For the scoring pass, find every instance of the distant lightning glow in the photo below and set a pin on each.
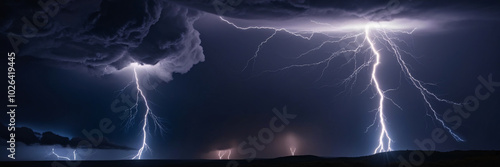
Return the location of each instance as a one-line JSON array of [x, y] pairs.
[[292, 150], [63, 157], [221, 153], [364, 43]]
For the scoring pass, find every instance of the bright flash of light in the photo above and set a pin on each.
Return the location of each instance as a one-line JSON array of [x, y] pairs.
[[364, 42], [292, 150], [383, 131], [221, 154], [63, 157], [148, 113]]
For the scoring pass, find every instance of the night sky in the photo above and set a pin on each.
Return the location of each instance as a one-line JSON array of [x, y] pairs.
[[75, 70]]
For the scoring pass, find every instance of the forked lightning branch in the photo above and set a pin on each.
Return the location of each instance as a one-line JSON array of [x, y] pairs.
[[367, 41]]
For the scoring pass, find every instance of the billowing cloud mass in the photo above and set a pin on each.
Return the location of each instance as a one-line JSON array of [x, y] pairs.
[[103, 36]]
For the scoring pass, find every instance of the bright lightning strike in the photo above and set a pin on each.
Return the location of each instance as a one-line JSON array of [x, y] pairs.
[[383, 131], [148, 114], [355, 45], [426, 94], [292, 150], [221, 153], [63, 157]]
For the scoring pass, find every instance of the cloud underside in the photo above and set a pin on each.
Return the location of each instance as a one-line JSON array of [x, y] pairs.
[[340, 11]]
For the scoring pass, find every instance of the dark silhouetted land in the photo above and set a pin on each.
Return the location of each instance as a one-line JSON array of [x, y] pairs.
[[390, 159]]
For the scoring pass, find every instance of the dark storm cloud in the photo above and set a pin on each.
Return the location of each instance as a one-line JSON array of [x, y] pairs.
[[269, 9], [374, 10], [107, 35], [30, 137]]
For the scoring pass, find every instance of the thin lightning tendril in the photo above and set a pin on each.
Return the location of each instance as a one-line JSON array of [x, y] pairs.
[[258, 50], [363, 43], [63, 157], [269, 28], [221, 153], [426, 94]]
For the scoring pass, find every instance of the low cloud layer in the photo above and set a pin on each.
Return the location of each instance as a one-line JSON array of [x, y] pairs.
[[29, 137]]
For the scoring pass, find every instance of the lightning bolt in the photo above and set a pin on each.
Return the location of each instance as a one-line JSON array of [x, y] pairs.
[[358, 44], [63, 157], [297, 34], [276, 30], [424, 92], [145, 121], [256, 54], [383, 131], [221, 153], [292, 150], [147, 114]]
